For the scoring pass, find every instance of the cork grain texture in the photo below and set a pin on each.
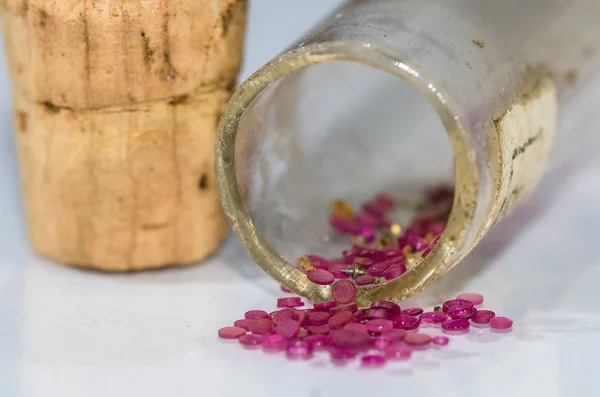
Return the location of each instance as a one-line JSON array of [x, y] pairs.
[[116, 105]]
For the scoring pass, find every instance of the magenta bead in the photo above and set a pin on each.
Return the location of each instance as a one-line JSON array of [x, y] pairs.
[[319, 342], [368, 232], [390, 306], [365, 279], [360, 315], [256, 314], [482, 317], [380, 325], [417, 339], [366, 220], [373, 314], [455, 302], [340, 319], [251, 340], [284, 315], [373, 361], [245, 323], [394, 271], [336, 270], [414, 311], [262, 326], [319, 262], [350, 338], [373, 254], [325, 305], [461, 312], [433, 318], [343, 291], [501, 322], [381, 342], [299, 350], [398, 352], [274, 343], [440, 340], [377, 269], [231, 332], [357, 327], [476, 299], [406, 322], [318, 329], [396, 335], [320, 277], [289, 302], [288, 329], [344, 225], [317, 318], [349, 307], [343, 354], [455, 325]]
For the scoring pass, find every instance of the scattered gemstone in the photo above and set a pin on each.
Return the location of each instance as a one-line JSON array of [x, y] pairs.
[[299, 349], [256, 314], [262, 326], [455, 302], [289, 302], [455, 325], [320, 277], [413, 311], [318, 329], [391, 307], [317, 318], [461, 312], [250, 339], [417, 339], [288, 329], [343, 291], [274, 343], [406, 322], [440, 340], [231, 332], [433, 317], [476, 299], [373, 361], [483, 316], [319, 342], [340, 319], [245, 323], [325, 305], [373, 314], [350, 338], [380, 325], [398, 352], [349, 307], [501, 322]]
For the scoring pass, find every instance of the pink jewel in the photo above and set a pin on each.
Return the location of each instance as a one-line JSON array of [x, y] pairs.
[[368, 233], [396, 335], [319, 262], [231, 332], [455, 325], [284, 315], [349, 307], [417, 339], [501, 322], [300, 316], [251, 340], [299, 350], [373, 314], [377, 269], [242, 324], [440, 340], [461, 311], [344, 225], [380, 325], [343, 291], [381, 342], [455, 302], [325, 305], [289, 302], [287, 291], [391, 307], [317, 318], [360, 315], [288, 329], [274, 343], [373, 254], [414, 311], [481, 317], [476, 299], [372, 361], [336, 270], [398, 352], [342, 354], [321, 277], [363, 262], [262, 326], [317, 329], [350, 338], [339, 320], [364, 280], [433, 318], [406, 322], [394, 271], [319, 342], [357, 327], [256, 314]]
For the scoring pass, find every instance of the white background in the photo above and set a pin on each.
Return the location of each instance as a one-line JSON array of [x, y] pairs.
[[71, 333]]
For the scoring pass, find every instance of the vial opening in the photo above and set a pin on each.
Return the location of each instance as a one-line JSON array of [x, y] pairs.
[[332, 131]]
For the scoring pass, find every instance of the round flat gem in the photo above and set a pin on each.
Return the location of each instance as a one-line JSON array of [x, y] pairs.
[[319, 342], [325, 305], [262, 326], [373, 361], [256, 314], [461, 312], [319, 262], [413, 311], [365, 279], [340, 319], [394, 271], [343, 354], [274, 343], [390, 306], [336, 270], [381, 342], [320, 277], [350, 307], [284, 315], [289, 302], [501, 322], [455, 302], [350, 338], [373, 314], [299, 350], [380, 325], [288, 329], [476, 299], [344, 225], [482, 317], [250, 340], [440, 340], [406, 322], [245, 323], [398, 352], [417, 339], [357, 327], [433, 317], [317, 318], [318, 329], [231, 332], [396, 335], [377, 269], [456, 325], [343, 291]]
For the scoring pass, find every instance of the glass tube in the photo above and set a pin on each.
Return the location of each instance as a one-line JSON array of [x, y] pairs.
[[399, 95]]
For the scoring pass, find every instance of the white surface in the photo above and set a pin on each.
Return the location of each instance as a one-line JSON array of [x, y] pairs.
[[70, 333]]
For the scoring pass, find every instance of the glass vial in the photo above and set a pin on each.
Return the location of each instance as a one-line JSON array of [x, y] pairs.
[[401, 95]]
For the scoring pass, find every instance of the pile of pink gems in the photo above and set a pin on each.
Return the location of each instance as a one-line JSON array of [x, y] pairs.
[[381, 333]]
